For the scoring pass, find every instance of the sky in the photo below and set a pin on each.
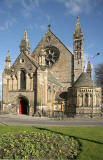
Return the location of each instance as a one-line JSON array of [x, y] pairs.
[[35, 15]]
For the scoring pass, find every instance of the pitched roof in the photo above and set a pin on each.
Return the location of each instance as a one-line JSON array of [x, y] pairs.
[[49, 32], [84, 80], [52, 79], [32, 58]]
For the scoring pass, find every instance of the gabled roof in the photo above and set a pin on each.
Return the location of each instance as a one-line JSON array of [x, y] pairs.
[[32, 59], [49, 32], [84, 80]]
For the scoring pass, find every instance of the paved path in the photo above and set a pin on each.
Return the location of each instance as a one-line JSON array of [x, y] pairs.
[[24, 120]]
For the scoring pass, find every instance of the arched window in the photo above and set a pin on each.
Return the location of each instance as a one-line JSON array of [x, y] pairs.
[[86, 99], [23, 80]]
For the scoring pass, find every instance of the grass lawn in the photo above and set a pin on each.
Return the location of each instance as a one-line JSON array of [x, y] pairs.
[[91, 138]]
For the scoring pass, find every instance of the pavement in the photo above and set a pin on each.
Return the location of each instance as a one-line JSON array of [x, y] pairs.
[[25, 120]]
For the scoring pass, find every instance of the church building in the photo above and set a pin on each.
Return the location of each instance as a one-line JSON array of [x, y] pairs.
[[51, 80]]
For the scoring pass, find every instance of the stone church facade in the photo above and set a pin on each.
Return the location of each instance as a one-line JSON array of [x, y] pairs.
[[51, 81]]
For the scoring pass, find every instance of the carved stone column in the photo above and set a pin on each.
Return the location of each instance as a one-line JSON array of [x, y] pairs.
[[13, 82], [31, 81], [18, 77], [89, 99], [10, 84]]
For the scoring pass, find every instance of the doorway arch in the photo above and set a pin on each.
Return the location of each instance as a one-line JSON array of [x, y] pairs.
[[23, 105]]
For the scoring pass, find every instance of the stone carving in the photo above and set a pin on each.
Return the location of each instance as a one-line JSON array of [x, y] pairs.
[[52, 55]]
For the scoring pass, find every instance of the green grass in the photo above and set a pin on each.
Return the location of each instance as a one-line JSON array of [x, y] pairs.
[[91, 138]]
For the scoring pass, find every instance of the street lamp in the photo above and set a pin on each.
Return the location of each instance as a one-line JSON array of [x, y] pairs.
[[93, 83]]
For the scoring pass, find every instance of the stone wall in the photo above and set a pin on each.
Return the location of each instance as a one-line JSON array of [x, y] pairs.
[[83, 105], [12, 105], [63, 67]]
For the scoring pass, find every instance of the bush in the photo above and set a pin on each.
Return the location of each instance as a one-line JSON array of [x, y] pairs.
[[38, 145]]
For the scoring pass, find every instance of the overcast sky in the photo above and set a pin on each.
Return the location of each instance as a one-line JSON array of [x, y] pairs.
[[35, 15]]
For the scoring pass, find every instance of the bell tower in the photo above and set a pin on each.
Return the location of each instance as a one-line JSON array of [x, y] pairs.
[[78, 50]]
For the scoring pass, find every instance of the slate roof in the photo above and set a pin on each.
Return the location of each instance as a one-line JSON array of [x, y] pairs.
[[52, 79], [84, 80], [32, 59]]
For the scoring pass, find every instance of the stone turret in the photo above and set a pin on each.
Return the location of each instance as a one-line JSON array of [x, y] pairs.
[[24, 45], [42, 56], [7, 61], [78, 51], [89, 69]]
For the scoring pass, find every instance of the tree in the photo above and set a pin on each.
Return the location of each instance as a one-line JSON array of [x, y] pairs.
[[99, 74]]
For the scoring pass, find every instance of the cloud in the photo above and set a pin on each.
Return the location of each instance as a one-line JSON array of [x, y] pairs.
[[76, 7], [10, 3], [29, 7], [86, 58], [48, 17], [90, 46], [7, 24], [43, 27]]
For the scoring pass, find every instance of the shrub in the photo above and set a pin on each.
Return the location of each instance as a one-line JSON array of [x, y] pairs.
[[38, 145]]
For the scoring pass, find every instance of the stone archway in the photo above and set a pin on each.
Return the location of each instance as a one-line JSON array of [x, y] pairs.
[[23, 105]]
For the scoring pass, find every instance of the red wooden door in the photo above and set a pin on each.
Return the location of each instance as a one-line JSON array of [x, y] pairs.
[[20, 109]]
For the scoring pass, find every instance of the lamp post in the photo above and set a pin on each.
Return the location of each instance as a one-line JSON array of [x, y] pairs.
[[93, 84]]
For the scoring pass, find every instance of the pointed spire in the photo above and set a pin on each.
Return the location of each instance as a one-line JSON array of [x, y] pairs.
[[78, 31], [8, 57], [89, 69], [24, 45], [7, 61]]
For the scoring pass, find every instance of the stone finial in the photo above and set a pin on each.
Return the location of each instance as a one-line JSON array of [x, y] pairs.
[[42, 61], [8, 57], [49, 25], [24, 45], [7, 61], [89, 68]]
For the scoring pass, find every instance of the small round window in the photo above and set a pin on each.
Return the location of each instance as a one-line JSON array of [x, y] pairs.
[[21, 60]]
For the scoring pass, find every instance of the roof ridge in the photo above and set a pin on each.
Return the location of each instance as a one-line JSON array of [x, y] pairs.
[[83, 80], [55, 37]]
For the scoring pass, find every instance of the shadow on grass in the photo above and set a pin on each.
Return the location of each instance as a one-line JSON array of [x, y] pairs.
[[89, 140], [76, 138]]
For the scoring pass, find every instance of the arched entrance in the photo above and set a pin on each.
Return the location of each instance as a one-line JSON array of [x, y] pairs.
[[23, 106]]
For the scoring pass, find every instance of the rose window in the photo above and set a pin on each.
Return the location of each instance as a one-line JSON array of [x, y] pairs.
[[52, 55]]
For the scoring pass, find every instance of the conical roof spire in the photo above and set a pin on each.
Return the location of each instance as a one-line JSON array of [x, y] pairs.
[[8, 57], [24, 45], [88, 65], [78, 31]]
